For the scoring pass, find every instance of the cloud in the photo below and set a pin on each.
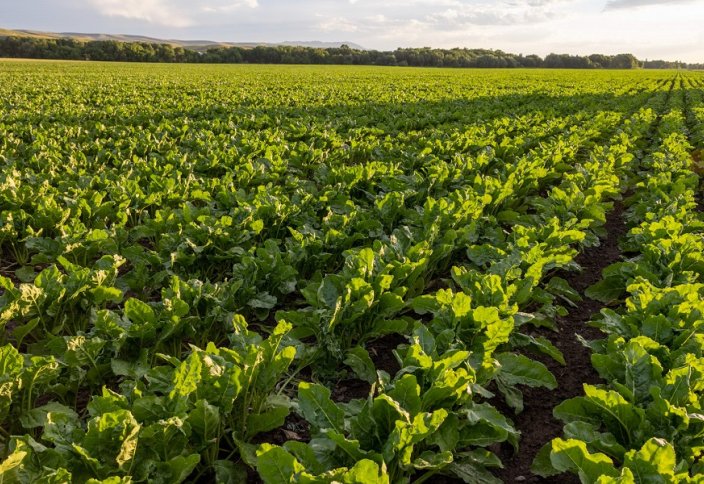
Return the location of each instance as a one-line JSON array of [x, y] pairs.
[[492, 14], [152, 11], [337, 24], [621, 4], [167, 13], [230, 6], [429, 18]]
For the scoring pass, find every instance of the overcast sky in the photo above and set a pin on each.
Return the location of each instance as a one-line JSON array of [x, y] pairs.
[[670, 29]]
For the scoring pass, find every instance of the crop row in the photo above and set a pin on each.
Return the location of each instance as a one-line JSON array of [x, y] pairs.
[[645, 423], [577, 206], [185, 284]]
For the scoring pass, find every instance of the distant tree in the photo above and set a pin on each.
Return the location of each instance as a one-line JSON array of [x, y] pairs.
[[111, 50], [624, 61], [600, 61], [554, 61]]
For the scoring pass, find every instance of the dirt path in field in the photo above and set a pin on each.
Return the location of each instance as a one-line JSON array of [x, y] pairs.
[[536, 422]]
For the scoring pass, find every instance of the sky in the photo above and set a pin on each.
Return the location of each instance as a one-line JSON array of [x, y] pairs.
[[650, 29]]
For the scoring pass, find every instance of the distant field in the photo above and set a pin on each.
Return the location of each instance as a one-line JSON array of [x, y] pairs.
[[350, 274]]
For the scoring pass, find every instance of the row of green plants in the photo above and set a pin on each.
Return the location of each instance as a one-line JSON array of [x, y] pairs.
[[186, 284], [438, 426], [362, 291], [644, 424]]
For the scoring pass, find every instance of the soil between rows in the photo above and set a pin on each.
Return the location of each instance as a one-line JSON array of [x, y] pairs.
[[536, 423]]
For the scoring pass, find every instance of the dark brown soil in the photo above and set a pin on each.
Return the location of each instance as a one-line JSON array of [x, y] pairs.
[[350, 389], [8, 265], [700, 200], [381, 353], [9, 272], [294, 428], [536, 422]]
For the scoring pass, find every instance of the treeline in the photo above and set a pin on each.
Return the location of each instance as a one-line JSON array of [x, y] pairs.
[[98, 50], [110, 50], [661, 64]]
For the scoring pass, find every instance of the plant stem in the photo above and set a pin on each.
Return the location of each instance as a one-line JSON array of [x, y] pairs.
[[425, 477]]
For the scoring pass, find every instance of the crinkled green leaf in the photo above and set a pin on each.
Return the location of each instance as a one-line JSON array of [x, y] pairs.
[[518, 369], [358, 359], [317, 407]]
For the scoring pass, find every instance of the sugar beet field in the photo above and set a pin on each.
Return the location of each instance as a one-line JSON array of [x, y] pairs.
[[350, 275]]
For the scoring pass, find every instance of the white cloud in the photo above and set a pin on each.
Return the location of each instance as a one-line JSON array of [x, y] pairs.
[[419, 19], [493, 14], [231, 6], [618, 4], [337, 24], [167, 13], [153, 11]]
